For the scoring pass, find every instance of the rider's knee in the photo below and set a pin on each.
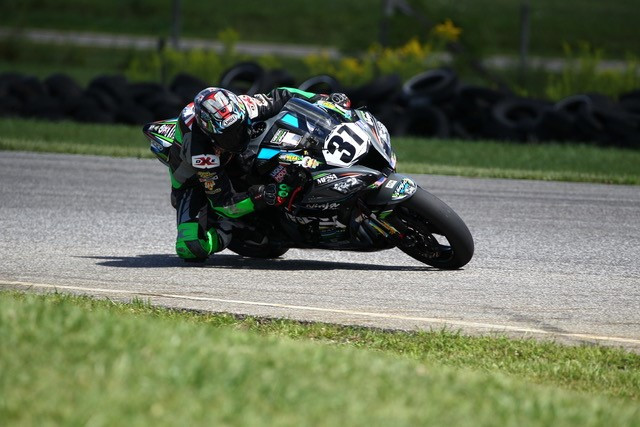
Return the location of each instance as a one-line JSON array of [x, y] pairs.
[[193, 243]]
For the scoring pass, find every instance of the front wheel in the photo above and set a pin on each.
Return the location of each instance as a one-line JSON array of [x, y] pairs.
[[433, 233]]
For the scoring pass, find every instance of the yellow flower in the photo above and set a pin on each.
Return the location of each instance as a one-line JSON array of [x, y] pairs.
[[352, 65], [413, 48], [447, 30]]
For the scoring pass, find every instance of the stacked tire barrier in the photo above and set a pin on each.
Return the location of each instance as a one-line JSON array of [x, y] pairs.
[[434, 103]]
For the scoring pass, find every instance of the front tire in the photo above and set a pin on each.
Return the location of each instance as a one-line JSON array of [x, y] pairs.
[[433, 233]]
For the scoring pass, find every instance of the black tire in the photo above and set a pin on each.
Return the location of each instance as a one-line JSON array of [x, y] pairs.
[[10, 106], [243, 242], [62, 87], [45, 107], [187, 86], [133, 114], [515, 118], [115, 86], [423, 216], [28, 88], [253, 251], [382, 90], [277, 78], [433, 86], [243, 78], [321, 84], [424, 121]]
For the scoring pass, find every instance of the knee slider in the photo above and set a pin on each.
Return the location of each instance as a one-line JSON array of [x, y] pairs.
[[193, 243]]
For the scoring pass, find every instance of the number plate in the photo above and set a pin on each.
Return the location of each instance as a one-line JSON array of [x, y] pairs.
[[345, 144]]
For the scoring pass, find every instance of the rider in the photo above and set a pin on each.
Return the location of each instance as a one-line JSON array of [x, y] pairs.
[[204, 158]]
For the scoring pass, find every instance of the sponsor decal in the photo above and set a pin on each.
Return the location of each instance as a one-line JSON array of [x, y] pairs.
[[260, 99], [284, 137], [156, 146], [382, 131], [326, 178], [322, 221], [250, 103], [290, 157], [308, 162], [391, 183], [278, 174], [323, 206], [208, 179], [378, 183], [334, 107], [279, 136], [165, 129], [205, 161], [291, 139], [347, 185], [229, 121], [366, 116], [405, 188], [205, 175]]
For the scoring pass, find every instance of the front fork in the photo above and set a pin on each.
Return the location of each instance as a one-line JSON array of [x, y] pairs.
[[374, 227]]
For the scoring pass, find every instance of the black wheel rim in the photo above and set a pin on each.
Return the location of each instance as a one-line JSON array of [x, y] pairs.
[[422, 239]]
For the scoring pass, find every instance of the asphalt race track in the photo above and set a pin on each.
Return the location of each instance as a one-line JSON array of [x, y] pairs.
[[553, 260]]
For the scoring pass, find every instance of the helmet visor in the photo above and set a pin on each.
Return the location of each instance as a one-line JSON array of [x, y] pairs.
[[235, 138]]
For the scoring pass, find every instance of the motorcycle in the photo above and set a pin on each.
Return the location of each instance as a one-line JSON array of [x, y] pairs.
[[348, 195]]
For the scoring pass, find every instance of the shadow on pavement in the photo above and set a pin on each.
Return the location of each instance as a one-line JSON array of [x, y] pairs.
[[228, 261]]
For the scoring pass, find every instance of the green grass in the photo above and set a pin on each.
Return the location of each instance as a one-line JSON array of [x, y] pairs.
[[561, 162], [352, 25], [564, 162], [69, 360], [73, 138]]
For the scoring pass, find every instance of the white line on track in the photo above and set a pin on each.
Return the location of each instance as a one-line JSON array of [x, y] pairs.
[[448, 322]]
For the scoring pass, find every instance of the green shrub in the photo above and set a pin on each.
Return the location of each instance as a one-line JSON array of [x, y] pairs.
[[206, 64], [407, 60], [583, 73]]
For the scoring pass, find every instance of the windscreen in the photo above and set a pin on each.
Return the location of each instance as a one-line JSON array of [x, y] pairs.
[[309, 118]]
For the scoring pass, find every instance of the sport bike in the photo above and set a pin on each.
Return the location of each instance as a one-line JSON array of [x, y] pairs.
[[346, 195]]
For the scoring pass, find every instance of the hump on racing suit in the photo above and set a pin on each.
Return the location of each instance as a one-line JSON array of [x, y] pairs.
[[163, 133]]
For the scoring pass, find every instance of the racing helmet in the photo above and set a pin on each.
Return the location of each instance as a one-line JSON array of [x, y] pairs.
[[223, 116]]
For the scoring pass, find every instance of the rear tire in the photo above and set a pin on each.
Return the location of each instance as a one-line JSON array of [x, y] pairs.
[[240, 244], [426, 221], [265, 252]]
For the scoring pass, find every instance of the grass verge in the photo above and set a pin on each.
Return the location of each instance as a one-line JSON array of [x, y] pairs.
[[562, 162], [74, 360]]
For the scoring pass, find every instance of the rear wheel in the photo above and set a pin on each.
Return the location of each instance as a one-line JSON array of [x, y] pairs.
[[252, 243], [265, 251], [433, 233]]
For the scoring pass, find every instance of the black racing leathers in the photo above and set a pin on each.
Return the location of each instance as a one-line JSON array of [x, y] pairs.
[[200, 174]]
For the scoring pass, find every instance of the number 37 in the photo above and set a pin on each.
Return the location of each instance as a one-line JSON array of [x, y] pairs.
[[345, 144]]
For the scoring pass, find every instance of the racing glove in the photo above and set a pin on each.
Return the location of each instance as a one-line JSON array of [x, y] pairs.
[[340, 99], [270, 195]]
